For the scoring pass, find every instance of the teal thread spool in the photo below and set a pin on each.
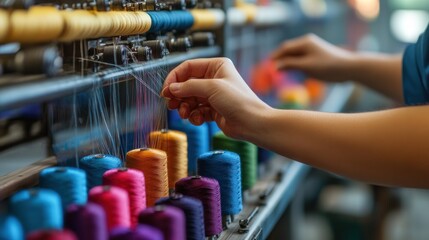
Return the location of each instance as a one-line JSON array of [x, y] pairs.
[[248, 155]]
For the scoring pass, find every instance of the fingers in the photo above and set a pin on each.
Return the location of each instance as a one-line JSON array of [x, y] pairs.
[[294, 63], [196, 68], [200, 89], [292, 47]]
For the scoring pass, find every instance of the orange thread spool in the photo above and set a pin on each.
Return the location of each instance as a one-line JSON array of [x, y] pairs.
[[175, 144], [153, 164]]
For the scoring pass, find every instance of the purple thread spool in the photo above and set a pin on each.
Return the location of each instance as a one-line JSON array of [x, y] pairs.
[[88, 221], [141, 232], [170, 220], [193, 209], [207, 190]]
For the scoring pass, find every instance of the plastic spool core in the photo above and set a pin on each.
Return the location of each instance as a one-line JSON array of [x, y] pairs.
[[61, 170], [123, 169], [106, 188], [176, 196], [33, 192], [164, 130], [99, 156], [217, 152], [196, 177], [144, 149], [159, 208]]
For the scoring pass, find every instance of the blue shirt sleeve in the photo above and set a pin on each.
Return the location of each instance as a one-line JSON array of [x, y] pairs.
[[415, 71]]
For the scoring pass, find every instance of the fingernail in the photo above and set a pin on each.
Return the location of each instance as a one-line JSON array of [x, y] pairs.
[[174, 87], [162, 91]]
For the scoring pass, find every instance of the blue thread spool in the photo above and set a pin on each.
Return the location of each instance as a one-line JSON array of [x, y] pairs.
[[37, 209], [95, 165], [68, 182], [194, 214], [10, 228], [165, 21], [224, 166], [198, 141]]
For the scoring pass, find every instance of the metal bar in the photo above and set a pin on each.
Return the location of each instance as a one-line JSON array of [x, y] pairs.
[[18, 95]]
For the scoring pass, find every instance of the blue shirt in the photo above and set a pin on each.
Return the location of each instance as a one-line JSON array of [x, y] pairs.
[[415, 71]]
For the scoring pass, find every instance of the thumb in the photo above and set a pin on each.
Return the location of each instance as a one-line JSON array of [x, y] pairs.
[[194, 88]]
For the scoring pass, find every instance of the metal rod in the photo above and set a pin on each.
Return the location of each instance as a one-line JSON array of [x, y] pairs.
[[38, 91]]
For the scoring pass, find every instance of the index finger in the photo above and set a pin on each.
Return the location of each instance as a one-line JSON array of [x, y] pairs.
[[291, 47], [196, 68]]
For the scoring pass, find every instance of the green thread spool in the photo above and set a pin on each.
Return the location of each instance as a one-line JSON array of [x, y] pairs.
[[248, 155]]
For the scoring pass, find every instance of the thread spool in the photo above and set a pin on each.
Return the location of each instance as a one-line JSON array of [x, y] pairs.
[[208, 192], [37, 60], [198, 141], [181, 44], [115, 54], [141, 232], [37, 209], [248, 156], [4, 25], [51, 235], [68, 182], [207, 19], [166, 21], [115, 202], [194, 214], [10, 228], [203, 39], [175, 144], [158, 47], [95, 165], [170, 220], [153, 163], [79, 24], [88, 222], [132, 181], [129, 23], [42, 23], [224, 166]]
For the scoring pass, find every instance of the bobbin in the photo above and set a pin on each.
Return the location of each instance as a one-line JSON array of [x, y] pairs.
[[158, 47], [115, 54], [35, 60], [203, 39], [181, 44], [17, 4]]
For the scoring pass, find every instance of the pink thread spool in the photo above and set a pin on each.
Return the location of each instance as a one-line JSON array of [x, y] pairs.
[[133, 182], [114, 201]]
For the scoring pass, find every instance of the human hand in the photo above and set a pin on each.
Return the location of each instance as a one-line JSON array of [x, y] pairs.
[[212, 90], [315, 57]]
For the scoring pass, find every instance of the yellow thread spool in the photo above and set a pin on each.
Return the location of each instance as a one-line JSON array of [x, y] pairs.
[[153, 164], [79, 24], [4, 25], [39, 24], [175, 144], [207, 19]]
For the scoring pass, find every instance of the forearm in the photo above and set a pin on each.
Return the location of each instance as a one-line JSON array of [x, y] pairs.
[[380, 72], [386, 147]]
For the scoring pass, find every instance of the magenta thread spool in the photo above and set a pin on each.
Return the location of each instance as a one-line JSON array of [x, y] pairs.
[[51, 235], [141, 232], [170, 220], [194, 214], [133, 182], [207, 190], [88, 222], [114, 201]]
